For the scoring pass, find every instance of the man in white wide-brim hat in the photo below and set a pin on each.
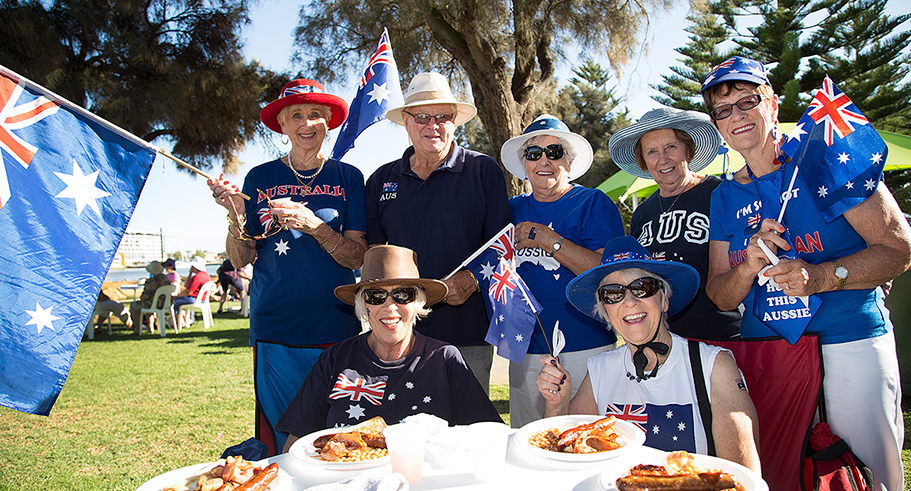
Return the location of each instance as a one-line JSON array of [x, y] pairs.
[[443, 202]]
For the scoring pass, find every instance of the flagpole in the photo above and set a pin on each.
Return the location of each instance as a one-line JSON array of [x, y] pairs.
[[479, 251], [6, 72]]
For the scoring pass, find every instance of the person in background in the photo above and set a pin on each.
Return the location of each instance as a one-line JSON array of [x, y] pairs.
[[231, 282], [851, 256], [195, 280], [671, 146], [170, 269], [635, 294], [157, 279], [407, 373], [303, 231], [104, 306], [560, 231], [443, 202]]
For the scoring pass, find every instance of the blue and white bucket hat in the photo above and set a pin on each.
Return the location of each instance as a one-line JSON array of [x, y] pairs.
[[626, 252], [547, 124]]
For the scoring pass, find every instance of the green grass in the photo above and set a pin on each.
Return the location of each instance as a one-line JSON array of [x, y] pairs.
[[134, 408]]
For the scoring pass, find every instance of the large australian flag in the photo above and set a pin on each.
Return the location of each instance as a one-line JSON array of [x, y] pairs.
[[378, 91], [69, 182], [841, 156]]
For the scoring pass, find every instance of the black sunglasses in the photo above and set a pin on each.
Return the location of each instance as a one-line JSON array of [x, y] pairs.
[[724, 111], [424, 118], [642, 288], [554, 151], [402, 296]]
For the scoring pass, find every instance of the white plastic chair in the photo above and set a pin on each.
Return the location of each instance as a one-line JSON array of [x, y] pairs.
[[166, 293], [201, 303], [90, 328]]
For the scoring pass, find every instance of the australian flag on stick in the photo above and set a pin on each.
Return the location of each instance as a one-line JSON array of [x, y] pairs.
[[510, 304], [841, 156], [378, 91], [69, 182]]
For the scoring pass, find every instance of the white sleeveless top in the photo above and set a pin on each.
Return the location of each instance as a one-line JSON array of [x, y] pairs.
[[664, 407]]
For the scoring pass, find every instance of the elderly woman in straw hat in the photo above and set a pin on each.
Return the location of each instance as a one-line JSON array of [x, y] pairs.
[[407, 373], [671, 146], [560, 231], [443, 202], [303, 228], [634, 294], [157, 279]]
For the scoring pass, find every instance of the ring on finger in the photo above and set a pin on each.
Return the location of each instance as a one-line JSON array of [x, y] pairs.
[[787, 286]]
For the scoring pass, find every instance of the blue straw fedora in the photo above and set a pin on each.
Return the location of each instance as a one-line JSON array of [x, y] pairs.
[[625, 253]]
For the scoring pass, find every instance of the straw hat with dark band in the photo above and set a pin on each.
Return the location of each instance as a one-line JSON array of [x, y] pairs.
[[698, 125], [388, 265], [431, 88]]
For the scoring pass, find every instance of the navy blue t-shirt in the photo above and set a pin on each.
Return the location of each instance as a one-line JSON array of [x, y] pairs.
[[444, 219]]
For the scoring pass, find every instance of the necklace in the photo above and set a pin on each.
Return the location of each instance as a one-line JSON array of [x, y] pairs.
[[300, 177], [660, 198]]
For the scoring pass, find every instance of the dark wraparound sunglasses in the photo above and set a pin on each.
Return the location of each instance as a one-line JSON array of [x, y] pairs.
[[554, 151], [377, 296], [642, 288], [724, 111]]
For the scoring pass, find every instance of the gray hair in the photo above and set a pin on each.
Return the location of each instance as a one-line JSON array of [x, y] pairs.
[[629, 275], [568, 149], [360, 307]]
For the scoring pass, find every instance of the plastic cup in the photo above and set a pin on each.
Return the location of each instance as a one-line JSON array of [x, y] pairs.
[[487, 453], [407, 443]]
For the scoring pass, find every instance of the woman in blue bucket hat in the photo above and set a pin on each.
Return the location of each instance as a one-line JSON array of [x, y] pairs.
[[650, 382]]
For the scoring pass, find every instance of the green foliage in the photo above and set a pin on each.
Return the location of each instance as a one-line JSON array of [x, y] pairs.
[[162, 68]]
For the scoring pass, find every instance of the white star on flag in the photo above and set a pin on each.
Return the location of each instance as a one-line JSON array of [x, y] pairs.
[[519, 338], [823, 192], [843, 158], [870, 184], [409, 385], [759, 72], [281, 247], [849, 185], [426, 399], [81, 188], [797, 132], [356, 412], [487, 270], [876, 157], [391, 397], [669, 415], [379, 93], [656, 430], [681, 426], [41, 318]]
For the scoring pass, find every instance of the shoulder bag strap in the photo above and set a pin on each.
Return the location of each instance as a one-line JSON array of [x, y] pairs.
[[702, 395]]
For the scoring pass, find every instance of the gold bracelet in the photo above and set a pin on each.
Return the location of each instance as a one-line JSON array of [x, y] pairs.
[[477, 286], [327, 238], [242, 237], [336, 244]]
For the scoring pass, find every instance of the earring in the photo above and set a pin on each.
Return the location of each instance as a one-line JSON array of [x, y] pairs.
[[328, 137], [285, 139]]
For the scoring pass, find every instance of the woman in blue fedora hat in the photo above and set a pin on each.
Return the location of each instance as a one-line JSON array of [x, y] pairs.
[[560, 230], [656, 389]]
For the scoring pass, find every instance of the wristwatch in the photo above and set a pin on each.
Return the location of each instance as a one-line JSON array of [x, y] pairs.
[[557, 246], [841, 273]]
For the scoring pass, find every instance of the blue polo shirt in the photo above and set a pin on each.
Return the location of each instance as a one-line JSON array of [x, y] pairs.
[[444, 219]]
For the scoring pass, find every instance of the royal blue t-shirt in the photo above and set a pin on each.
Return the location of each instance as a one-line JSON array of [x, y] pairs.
[[444, 219], [737, 213], [293, 277], [588, 218]]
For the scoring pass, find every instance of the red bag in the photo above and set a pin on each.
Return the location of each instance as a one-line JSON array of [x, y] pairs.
[[831, 465]]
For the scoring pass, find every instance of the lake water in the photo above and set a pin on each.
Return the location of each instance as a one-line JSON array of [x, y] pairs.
[[135, 274]]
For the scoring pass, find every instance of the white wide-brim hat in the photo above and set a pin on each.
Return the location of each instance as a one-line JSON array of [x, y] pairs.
[[622, 144], [431, 88], [547, 124], [198, 263]]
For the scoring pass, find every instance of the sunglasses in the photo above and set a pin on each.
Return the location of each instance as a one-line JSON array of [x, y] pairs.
[[424, 118], [401, 296], [553, 151], [724, 111], [642, 288]]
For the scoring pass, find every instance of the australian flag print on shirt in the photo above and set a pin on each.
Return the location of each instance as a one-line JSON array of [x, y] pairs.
[[667, 427]]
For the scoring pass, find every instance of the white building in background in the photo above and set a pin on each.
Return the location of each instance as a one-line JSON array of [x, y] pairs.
[[138, 249]]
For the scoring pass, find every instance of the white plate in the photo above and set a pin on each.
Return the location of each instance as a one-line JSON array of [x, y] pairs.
[[178, 476], [304, 451], [631, 435], [749, 479]]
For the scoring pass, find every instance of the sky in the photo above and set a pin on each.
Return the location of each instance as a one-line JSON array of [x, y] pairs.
[[181, 207]]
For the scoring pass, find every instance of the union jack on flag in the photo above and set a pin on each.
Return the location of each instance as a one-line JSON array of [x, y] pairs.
[[634, 413], [840, 155], [69, 182], [358, 389], [754, 220], [621, 256], [504, 244], [377, 92], [265, 217], [502, 282]]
